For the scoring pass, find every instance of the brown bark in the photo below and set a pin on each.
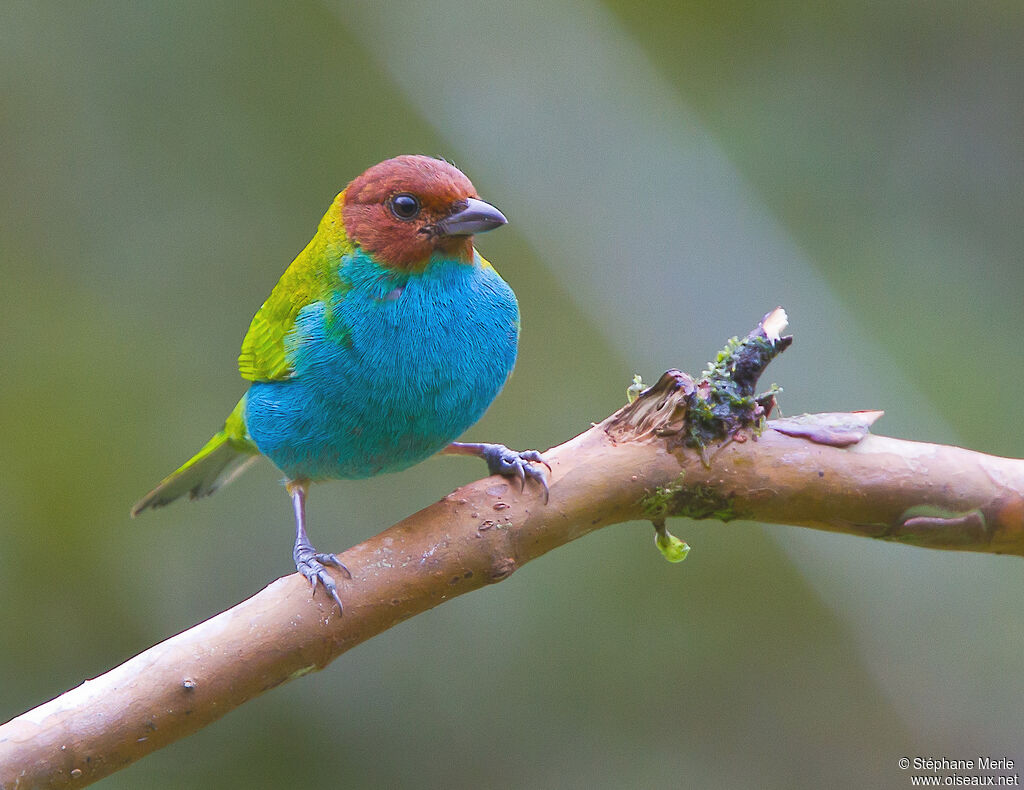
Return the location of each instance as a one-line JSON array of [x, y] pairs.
[[824, 472]]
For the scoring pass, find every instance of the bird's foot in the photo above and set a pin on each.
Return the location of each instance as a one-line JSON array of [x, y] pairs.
[[515, 463], [312, 564]]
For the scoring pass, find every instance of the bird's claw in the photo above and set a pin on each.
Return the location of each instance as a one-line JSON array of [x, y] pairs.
[[333, 561], [311, 564], [512, 463]]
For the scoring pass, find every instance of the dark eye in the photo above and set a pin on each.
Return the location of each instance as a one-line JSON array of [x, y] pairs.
[[405, 206]]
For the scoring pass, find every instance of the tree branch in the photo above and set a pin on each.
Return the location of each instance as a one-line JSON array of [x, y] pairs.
[[682, 448]]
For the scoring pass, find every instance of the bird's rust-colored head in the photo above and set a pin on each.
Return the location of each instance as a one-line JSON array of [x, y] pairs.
[[405, 209]]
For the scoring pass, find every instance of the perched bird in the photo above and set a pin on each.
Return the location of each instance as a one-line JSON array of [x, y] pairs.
[[386, 338]]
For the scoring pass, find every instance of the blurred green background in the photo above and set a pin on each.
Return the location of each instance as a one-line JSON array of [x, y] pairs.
[[671, 172]]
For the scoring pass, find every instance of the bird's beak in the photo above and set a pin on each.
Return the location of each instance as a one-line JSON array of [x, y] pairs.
[[475, 217]]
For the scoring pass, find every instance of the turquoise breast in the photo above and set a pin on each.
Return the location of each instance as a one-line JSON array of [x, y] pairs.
[[390, 368]]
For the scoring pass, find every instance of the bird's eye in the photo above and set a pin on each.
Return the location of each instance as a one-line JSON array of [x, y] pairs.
[[404, 206]]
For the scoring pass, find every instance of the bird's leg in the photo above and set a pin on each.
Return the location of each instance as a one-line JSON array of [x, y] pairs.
[[503, 461], [308, 561]]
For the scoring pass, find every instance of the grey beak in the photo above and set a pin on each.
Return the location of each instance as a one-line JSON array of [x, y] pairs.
[[475, 217]]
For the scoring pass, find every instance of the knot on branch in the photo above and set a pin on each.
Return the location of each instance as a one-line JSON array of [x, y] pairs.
[[722, 402]]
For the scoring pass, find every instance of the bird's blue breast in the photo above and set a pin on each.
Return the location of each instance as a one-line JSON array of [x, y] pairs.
[[388, 369]]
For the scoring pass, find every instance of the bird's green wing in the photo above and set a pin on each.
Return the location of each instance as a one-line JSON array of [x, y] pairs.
[[263, 356], [309, 279]]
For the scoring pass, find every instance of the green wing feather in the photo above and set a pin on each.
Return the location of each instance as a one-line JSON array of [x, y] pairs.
[[264, 355]]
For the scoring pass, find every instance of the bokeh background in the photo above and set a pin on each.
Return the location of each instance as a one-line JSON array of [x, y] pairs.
[[671, 171]]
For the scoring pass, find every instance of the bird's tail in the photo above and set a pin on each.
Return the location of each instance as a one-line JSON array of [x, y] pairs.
[[229, 453]]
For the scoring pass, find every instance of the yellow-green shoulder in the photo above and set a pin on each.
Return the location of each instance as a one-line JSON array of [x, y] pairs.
[[307, 280], [486, 264]]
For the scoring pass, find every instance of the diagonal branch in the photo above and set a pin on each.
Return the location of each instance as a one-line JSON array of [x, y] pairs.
[[682, 448]]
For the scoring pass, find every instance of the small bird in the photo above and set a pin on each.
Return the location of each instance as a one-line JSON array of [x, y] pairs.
[[385, 339]]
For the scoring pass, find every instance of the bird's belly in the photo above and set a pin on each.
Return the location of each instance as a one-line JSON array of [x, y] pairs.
[[356, 434], [381, 396]]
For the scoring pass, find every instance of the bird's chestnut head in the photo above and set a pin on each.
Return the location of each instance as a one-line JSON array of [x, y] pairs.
[[405, 209]]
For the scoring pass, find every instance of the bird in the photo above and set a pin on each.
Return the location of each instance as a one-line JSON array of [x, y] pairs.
[[386, 338]]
